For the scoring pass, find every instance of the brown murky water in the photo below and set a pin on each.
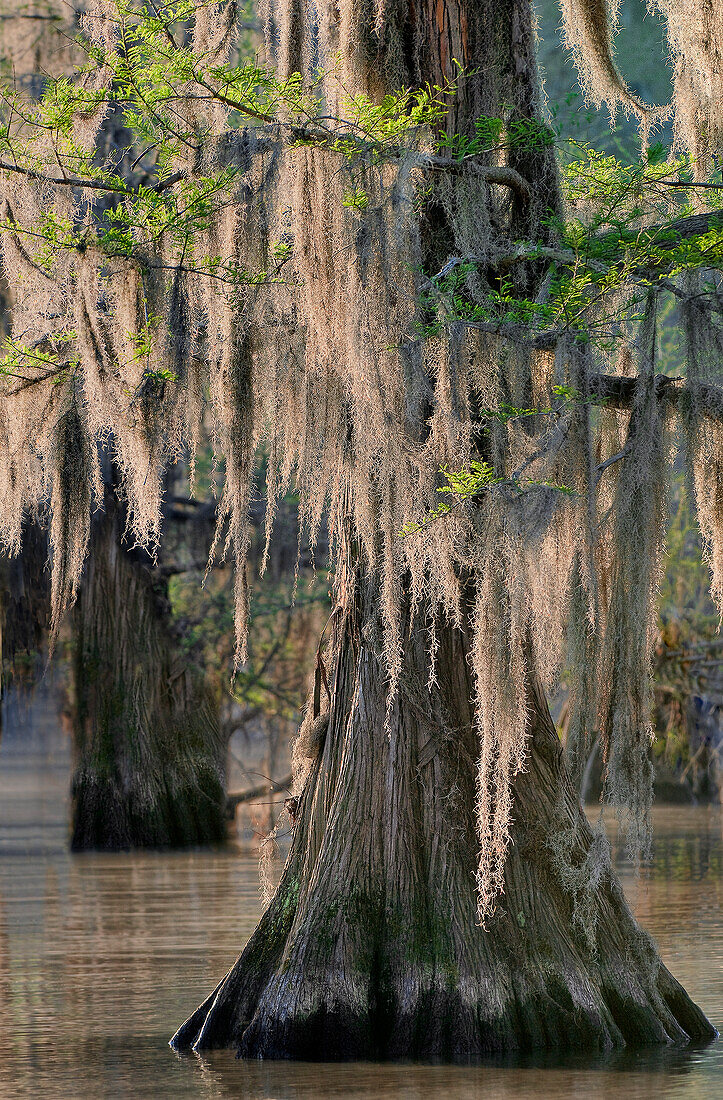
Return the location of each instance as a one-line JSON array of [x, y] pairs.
[[102, 956]]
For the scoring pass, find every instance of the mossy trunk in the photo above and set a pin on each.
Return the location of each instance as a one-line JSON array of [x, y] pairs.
[[371, 948], [150, 760]]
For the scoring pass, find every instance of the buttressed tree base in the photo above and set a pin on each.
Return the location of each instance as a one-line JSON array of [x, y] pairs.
[[363, 260]]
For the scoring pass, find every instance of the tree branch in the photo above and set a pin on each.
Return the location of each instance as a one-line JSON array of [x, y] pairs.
[[618, 392], [682, 229], [502, 174], [91, 184], [601, 467], [694, 226]]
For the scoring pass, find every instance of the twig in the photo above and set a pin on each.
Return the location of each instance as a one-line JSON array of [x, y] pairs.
[[237, 798], [613, 458]]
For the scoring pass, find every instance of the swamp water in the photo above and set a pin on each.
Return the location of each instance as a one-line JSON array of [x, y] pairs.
[[102, 956]]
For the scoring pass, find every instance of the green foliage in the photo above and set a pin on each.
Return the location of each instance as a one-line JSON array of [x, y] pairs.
[[495, 135], [623, 232], [566, 396], [398, 115], [162, 92], [281, 251], [500, 306], [628, 230], [163, 375], [356, 199]]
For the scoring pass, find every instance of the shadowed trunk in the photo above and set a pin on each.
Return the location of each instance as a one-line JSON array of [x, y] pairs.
[[24, 607], [370, 947], [149, 756]]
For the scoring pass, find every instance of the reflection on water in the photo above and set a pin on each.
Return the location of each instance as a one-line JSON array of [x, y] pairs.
[[102, 956]]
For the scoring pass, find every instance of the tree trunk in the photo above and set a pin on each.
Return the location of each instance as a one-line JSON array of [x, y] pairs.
[[370, 947], [149, 755]]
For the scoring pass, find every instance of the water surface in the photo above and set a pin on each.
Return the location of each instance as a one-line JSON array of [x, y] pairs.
[[102, 956]]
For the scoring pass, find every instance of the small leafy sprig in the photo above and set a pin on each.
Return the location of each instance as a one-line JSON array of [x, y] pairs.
[[466, 484]]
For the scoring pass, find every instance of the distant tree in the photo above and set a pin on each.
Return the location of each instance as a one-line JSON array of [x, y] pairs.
[[363, 257], [149, 757]]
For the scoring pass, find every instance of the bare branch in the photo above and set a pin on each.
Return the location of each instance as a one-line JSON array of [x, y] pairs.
[[91, 184], [618, 392], [235, 799], [613, 458]]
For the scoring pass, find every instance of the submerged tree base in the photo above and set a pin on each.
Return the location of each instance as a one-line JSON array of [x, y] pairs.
[[179, 814], [371, 948]]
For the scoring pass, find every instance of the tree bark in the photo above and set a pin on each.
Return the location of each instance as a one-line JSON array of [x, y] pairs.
[[370, 947], [150, 760]]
